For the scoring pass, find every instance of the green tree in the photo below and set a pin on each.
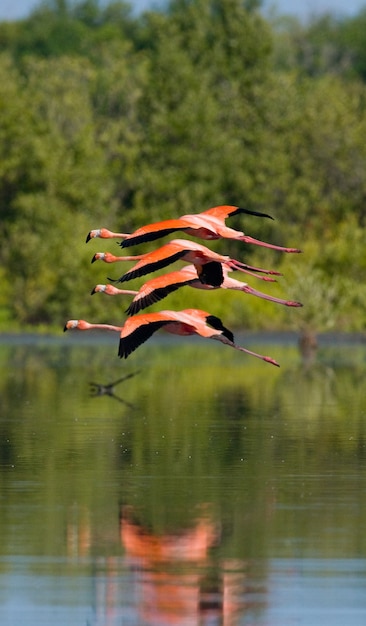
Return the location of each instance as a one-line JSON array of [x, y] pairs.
[[61, 27], [53, 178], [202, 108], [315, 127]]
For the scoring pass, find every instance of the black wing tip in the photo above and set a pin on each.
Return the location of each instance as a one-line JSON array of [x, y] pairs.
[[126, 243], [134, 241], [115, 280], [128, 276], [123, 350], [146, 237], [255, 213], [133, 309], [155, 296], [217, 324]]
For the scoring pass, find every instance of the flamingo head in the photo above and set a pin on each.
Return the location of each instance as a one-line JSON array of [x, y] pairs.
[[98, 289], [98, 256], [80, 324], [71, 324], [93, 234]]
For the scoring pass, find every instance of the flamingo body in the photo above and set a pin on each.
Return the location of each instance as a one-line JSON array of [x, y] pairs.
[[207, 225], [158, 288], [208, 263], [139, 328]]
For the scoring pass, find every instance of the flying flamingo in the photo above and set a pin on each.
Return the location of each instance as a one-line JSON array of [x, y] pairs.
[[139, 328], [150, 232], [184, 250], [209, 224], [160, 287]]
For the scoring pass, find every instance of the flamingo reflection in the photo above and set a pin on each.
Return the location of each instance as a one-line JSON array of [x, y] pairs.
[[175, 578], [100, 389]]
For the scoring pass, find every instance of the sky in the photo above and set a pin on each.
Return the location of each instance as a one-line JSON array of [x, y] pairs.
[[17, 9]]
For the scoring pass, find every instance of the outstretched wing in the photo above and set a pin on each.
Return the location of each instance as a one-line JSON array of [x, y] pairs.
[[151, 232], [157, 289], [155, 262], [222, 212], [136, 331]]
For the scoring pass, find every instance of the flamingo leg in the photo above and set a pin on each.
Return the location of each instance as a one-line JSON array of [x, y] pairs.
[[265, 296], [242, 268], [257, 242], [239, 265], [267, 359]]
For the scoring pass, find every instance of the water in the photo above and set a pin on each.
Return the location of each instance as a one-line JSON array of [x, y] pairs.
[[211, 488]]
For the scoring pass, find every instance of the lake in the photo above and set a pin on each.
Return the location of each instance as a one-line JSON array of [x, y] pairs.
[[208, 488]]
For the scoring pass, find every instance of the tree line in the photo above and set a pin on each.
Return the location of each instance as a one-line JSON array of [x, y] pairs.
[[114, 119]]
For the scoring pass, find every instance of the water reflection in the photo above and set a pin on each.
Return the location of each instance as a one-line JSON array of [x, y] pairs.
[[308, 346], [242, 491], [108, 389], [169, 569], [177, 578]]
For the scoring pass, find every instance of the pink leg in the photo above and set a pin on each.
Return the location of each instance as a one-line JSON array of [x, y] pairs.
[[257, 242], [265, 296], [241, 267], [268, 359]]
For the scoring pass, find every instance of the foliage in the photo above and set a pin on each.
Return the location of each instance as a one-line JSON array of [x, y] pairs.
[[327, 44], [109, 119]]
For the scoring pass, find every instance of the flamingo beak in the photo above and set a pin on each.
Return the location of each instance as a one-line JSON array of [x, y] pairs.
[[88, 238], [93, 291], [94, 258]]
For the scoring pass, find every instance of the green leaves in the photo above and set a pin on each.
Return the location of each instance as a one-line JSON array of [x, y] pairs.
[[134, 120]]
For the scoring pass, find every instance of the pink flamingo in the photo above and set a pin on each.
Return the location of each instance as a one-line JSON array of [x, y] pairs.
[[139, 328], [209, 224], [183, 250], [158, 288]]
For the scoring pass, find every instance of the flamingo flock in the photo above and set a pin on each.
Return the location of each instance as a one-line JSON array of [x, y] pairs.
[[206, 270]]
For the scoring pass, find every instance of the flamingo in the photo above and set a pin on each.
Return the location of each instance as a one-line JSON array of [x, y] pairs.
[[184, 250], [160, 287], [209, 224], [139, 328], [150, 232]]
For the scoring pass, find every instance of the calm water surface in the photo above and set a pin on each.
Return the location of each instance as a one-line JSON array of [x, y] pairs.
[[209, 488]]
